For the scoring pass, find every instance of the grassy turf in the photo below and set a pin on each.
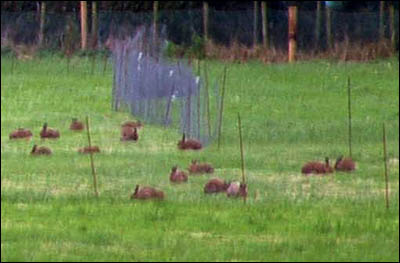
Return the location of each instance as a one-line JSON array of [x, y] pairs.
[[290, 114]]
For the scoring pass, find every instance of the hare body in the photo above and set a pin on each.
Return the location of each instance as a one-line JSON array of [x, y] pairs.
[[196, 168], [177, 176], [40, 150], [49, 133], [189, 144], [215, 185], [317, 167], [20, 134], [345, 165], [76, 125], [146, 192]]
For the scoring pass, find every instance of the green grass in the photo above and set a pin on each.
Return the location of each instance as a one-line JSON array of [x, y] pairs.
[[290, 114]]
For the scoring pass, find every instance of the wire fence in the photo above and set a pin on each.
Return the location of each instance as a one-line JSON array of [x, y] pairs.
[[162, 91]]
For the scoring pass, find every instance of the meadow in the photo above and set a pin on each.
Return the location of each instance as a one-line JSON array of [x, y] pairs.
[[290, 114]]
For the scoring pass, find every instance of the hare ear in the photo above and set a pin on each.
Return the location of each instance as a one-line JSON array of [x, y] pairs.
[[136, 189], [327, 160]]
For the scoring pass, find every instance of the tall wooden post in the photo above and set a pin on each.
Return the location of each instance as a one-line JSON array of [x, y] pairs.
[[255, 17], [155, 18], [381, 20], [328, 27], [83, 25], [205, 21], [264, 23], [292, 32], [94, 24], [317, 24], [42, 20]]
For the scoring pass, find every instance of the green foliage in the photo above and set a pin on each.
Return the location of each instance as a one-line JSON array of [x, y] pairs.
[[197, 48], [173, 50], [290, 114]]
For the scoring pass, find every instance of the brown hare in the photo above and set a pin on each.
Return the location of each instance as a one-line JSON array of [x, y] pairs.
[[215, 185], [196, 168], [20, 134], [40, 150], [317, 167], [189, 144], [146, 192], [177, 176], [49, 133], [76, 125], [345, 165]]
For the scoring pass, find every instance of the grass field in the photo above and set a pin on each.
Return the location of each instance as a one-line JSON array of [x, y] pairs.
[[290, 114]]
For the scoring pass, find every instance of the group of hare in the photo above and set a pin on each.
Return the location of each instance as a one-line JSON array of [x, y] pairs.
[[213, 186], [129, 132], [341, 165], [50, 133]]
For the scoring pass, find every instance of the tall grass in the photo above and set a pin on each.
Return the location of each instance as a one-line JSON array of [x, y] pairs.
[[294, 113]]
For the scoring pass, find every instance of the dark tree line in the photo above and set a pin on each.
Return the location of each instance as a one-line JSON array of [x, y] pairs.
[[143, 6]]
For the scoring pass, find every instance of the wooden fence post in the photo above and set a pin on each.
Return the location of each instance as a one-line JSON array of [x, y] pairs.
[[292, 32], [83, 25]]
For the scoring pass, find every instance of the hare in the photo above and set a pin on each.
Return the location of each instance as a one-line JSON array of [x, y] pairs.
[[49, 133], [177, 176], [76, 125], [40, 150], [20, 133], [196, 168], [146, 192], [189, 144], [236, 189], [344, 165], [215, 185], [317, 167]]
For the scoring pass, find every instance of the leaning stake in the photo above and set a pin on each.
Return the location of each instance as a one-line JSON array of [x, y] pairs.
[[385, 164], [349, 111], [241, 153], [96, 193], [222, 108]]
